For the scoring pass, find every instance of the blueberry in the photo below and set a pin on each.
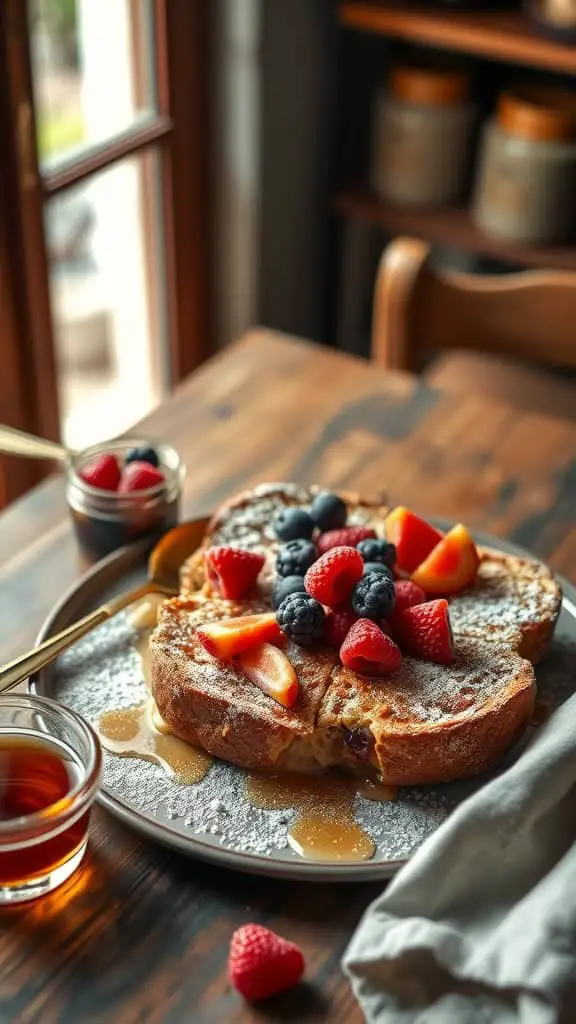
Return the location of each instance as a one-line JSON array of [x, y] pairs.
[[295, 557], [378, 567], [373, 549], [360, 741], [287, 585], [373, 596], [329, 511], [293, 524], [302, 619], [144, 454]]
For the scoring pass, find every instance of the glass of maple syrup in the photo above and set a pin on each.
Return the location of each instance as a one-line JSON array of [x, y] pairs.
[[50, 765]]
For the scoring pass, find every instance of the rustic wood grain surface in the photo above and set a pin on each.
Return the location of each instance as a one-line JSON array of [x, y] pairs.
[[141, 934]]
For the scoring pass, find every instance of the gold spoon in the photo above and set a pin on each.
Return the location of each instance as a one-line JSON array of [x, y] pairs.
[[16, 442], [163, 578]]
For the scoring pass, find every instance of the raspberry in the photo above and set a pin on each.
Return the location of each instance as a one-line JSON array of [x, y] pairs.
[[377, 550], [301, 618], [338, 625], [295, 557], [293, 524], [368, 651], [232, 570], [102, 472], [287, 585], [349, 537], [261, 963], [329, 511], [332, 577], [139, 476], [144, 454], [424, 632], [373, 596], [407, 594]]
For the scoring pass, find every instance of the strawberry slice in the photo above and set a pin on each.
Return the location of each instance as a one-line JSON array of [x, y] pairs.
[[413, 538], [228, 637], [406, 595], [451, 566], [424, 632], [231, 570], [268, 668]]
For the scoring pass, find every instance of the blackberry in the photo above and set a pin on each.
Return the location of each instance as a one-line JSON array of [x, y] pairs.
[[373, 596], [302, 619], [295, 557], [378, 550], [285, 586], [144, 454], [329, 511], [293, 524], [378, 567]]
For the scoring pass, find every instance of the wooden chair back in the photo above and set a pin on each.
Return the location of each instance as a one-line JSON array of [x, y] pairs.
[[530, 315]]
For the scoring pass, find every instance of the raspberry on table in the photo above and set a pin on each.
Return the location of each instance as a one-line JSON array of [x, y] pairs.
[[374, 549], [293, 524], [262, 963], [333, 576], [287, 585], [373, 596], [302, 619], [338, 625], [349, 536], [329, 511], [102, 472], [295, 557], [369, 651], [232, 570]]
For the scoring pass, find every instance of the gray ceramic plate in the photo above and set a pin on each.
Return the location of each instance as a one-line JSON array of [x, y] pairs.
[[212, 819]]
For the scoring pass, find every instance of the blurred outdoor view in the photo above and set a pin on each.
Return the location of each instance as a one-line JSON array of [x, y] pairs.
[[92, 80]]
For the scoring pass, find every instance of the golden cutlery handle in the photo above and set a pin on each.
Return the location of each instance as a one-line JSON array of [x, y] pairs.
[[16, 442], [20, 668]]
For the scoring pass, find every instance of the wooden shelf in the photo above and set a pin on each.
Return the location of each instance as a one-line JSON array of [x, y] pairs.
[[449, 227], [502, 36]]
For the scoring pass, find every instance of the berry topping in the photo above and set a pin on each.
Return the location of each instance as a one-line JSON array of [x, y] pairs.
[[360, 741], [144, 454], [451, 566], [293, 524], [228, 637], [368, 651], [269, 669], [338, 625], [424, 632], [377, 567], [102, 472], [139, 476], [287, 585], [412, 537], [406, 595], [349, 537], [231, 570], [373, 596], [329, 511], [333, 576], [302, 619], [374, 549], [295, 557], [261, 963]]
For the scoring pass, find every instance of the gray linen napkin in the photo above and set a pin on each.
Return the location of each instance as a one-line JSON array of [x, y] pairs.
[[480, 926]]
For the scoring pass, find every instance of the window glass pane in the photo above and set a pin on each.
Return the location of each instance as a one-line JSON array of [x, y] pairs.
[[92, 69], [108, 299]]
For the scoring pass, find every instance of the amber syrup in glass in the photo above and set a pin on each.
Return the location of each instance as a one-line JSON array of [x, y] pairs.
[[35, 774]]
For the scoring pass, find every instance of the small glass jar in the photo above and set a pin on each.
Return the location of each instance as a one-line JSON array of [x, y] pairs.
[[525, 190], [50, 765], [422, 137], [106, 520]]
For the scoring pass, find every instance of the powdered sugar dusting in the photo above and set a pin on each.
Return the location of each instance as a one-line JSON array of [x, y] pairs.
[[102, 672]]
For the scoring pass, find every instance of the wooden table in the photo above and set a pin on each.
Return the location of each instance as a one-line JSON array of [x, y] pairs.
[[141, 935]]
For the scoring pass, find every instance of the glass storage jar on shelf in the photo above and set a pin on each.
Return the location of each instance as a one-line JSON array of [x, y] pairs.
[[423, 125], [525, 189]]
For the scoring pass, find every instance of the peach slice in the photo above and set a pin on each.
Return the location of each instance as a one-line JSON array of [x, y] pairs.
[[227, 637], [412, 537], [451, 566], [268, 668]]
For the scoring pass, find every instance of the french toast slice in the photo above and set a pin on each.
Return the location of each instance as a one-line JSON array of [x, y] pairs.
[[425, 723]]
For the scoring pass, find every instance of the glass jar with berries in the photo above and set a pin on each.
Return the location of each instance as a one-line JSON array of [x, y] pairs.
[[123, 491]]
